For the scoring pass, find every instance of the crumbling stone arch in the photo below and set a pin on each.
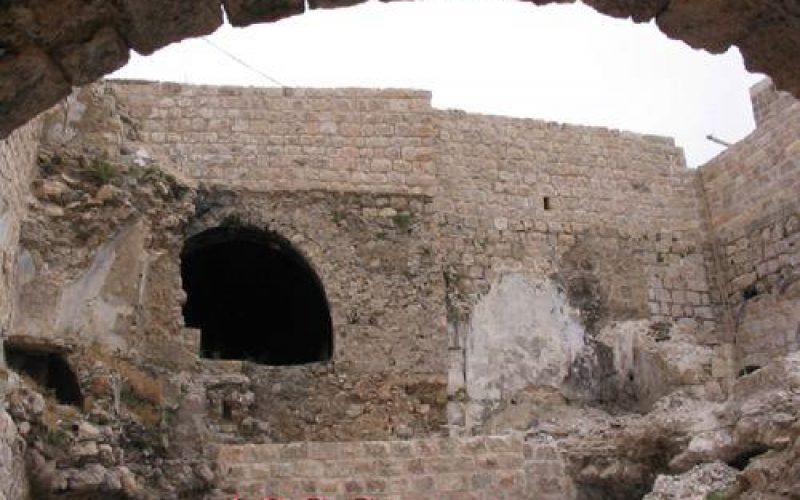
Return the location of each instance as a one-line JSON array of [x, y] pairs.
[[254, 297], [48, 46]]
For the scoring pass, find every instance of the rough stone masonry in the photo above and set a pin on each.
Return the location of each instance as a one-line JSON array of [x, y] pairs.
[[212, 291]]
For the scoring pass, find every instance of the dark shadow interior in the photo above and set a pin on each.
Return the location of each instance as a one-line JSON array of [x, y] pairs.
[[254, 298], [742, 460], [48, 369]]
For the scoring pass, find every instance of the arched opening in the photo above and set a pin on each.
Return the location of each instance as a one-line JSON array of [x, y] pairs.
[[48, 369], [255, 298]]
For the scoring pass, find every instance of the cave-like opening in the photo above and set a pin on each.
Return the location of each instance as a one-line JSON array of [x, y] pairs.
[[48, 369], [254, 297]]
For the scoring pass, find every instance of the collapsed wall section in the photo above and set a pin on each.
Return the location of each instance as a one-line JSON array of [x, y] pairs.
[[754, 208]]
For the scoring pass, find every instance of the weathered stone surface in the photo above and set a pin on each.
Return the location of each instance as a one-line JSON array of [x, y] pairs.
[[13, 479], [246, 12], [697, 484], [29, 80], [148, 26], [84, 63], [638, 10], [333, 4], [752, 191]]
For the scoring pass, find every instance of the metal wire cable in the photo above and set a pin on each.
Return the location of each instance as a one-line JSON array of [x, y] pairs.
[[236, 59]]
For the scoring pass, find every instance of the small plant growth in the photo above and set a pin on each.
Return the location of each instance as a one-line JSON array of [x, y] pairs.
[[101, 171], [403, 221]]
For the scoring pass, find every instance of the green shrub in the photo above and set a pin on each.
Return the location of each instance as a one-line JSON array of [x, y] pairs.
[[101, 171], [403, 221]]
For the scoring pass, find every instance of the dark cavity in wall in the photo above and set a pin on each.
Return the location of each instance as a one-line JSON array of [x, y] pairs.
[[750, 292], [48, 369], [742, 460], [254, 297], [747, 370]]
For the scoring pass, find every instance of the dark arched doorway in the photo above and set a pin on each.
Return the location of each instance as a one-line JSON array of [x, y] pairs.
[[48, 369], [255, 298]]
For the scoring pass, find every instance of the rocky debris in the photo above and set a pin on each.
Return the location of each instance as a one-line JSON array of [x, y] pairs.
[[118, 445], [65, 453], [650, 363], [756, 428], [119, 448], [13, 477], [710, 480], [93, 196]]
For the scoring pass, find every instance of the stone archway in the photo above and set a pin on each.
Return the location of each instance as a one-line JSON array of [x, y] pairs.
[[254, 297], [48, 46]]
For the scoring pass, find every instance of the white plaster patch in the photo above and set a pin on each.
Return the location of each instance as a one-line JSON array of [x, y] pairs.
[[523, 333], [83, 307]]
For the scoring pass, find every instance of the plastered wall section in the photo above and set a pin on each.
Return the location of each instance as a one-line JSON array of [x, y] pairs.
[[753, 192]]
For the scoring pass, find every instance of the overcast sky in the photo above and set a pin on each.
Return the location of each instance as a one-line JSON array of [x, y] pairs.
[[563, 63]]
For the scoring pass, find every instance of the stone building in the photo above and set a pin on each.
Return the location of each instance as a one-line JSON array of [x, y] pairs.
[[304, 292]]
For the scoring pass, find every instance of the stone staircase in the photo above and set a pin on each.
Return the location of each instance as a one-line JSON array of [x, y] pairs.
[[485, 467]]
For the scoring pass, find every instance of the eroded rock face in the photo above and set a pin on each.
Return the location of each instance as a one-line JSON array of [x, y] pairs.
[[755, 429], [696, 484], [44, 51]]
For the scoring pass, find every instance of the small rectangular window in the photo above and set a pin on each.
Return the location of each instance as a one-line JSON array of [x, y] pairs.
[[546, 203]]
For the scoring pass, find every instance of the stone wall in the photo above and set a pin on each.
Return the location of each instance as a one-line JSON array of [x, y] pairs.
[[519, 194], [487, 467], [551, 232], [374, 256], [17, 161], [752, 191], [768, 102], [274, 139], [559, 206], [490, 176]]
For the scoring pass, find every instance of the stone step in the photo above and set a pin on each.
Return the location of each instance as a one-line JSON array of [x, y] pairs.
[[493, 467]]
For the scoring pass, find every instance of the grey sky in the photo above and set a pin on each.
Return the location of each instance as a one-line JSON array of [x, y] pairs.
[[563, 63]]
